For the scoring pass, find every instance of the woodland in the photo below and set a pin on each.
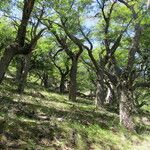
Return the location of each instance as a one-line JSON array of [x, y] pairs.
[[75, 74]]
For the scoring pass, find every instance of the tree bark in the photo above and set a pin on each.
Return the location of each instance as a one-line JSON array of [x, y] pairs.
[[62, 83], [126, 82], [22, 72], [126, 108], [20, 65], [18, 47], [73, 81], [100, 91], [45, 80], [111, 97], [5, 61]]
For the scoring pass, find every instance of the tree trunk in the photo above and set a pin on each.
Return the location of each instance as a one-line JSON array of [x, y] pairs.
[[126, 108], [5, 61], [23, 72], [62, 83], [111, 97], [45, 80], [20, 65], [73, 81], [100, 91]]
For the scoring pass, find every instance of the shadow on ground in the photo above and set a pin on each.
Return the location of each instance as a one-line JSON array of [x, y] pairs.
[[26, 121]]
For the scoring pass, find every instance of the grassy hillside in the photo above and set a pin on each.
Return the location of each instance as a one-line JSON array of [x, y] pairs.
[[41, 120]]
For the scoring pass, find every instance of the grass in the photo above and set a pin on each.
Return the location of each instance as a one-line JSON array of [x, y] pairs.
[[42, 120]]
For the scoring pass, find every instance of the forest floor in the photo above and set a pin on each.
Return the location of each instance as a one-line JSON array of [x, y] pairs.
[[42, 120]]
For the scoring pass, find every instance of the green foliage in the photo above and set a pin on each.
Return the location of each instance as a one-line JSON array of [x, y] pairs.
[[48, 120], [4, 4], [6, 33]]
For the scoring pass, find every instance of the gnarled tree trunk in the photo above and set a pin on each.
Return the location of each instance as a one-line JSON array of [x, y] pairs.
[[112, 96], [62, 83], [45, 80], [126, 98], [19, 67], [126, 108], [100, 91], [5, 61], [73, 81], [22, 72], [18, 47]]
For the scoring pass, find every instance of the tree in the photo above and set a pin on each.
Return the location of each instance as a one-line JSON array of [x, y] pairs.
[[61, 62], [122, 78], [64, 31], [24, 60], [20, 46]]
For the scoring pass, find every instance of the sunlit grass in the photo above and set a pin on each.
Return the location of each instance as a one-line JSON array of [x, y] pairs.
[[39, 119]]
